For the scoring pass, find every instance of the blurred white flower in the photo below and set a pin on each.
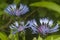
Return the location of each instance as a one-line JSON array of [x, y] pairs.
[[13, 10]]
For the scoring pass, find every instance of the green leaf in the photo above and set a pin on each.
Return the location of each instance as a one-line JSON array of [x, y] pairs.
[[13, 36], [16, 37], [58, 22], [3, 5], [39, 38], [3, 36], [1, 12], [56, 15], [53, 37], [50, 5], [16, 1]]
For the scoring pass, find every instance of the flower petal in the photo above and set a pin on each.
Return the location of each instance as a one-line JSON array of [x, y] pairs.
[[16, 24], [45, 21], [21, 28], [50, 23], [21, 7], [56, 27], [41, 21], [51, 31], [10, 9]]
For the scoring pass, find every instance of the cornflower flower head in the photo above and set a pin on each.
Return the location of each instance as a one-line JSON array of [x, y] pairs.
[[33, 25], [15, 27], [13, 10], [46, 26]]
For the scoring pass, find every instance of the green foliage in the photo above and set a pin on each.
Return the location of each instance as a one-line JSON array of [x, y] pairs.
[[39, 38], [50, 5], [53, 37], [1, 12], [16, 1], [2, 7], [14, 37], [3, 36]]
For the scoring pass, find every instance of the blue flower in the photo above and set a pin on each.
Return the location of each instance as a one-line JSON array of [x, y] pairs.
[[33, 25], [46, 26], [13, 10], [16, 27]]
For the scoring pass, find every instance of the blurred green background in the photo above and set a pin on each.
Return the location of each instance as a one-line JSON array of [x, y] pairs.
[[37, 9]]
